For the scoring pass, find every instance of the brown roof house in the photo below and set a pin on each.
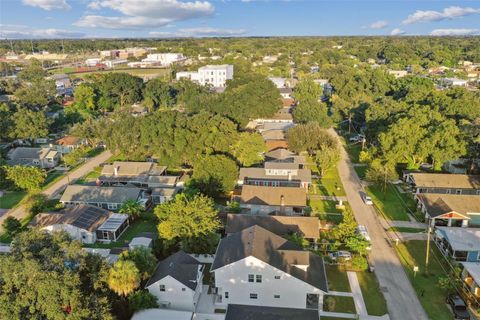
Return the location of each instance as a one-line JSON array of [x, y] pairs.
[[450, 209], [69, 143], [444, 183], [307, 227], [84, 223], [272, 200]]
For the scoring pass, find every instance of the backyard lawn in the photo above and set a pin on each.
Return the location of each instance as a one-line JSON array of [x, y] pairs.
[[11, 199], [374, 300], [322, 206], [342, 304], [330, 184], [52, 177], [91, 176], [389, 203], [337, 278], [432, 298]]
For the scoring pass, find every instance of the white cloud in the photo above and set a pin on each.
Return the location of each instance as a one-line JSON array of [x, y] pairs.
[[24, 32], [447, 13], [455, 32], [397, 32], [47, 4], [199, 32], [379, 24], [141, 13]]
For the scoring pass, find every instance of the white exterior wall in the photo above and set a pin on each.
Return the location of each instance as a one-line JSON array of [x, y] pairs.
[[76, 233], [266, 209], [173, 294], [233, 279], [215, 75]]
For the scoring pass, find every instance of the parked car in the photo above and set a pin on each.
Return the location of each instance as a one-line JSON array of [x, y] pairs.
[[367, 200], [356, 138], [458, 306], [340, 255], [362, 230]]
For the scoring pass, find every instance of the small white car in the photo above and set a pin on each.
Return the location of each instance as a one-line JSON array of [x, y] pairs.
[[367, 200], [362, 230], [340, 255]]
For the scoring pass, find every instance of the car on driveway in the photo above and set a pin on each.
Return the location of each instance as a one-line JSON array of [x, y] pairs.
[[367, 200], [362, 231], [459, 308], [340, 256]]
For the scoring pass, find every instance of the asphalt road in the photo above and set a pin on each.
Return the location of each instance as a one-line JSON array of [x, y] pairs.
[[53, 190], [402, 301]]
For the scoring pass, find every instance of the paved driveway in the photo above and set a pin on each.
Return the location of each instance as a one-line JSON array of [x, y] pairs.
[[401, 298], [55, 189]]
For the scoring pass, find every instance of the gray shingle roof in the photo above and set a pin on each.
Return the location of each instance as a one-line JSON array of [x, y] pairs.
[[245, 312], [94, 194], [446, 180], [179, 266], [308, 227], [274, 250]]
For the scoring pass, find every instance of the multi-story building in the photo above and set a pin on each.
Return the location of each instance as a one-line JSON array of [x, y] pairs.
[[258, 268], [164, 59], [214, 75]]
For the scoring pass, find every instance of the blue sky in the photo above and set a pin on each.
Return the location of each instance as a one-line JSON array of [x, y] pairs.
[[199, 18]]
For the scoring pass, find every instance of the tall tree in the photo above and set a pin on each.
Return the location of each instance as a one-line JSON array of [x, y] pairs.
[[29, 124], [120, 90], [214, 175], [309, 137], [187, 217], [26, 178], [124, 277], [249, 149], [144, 260]]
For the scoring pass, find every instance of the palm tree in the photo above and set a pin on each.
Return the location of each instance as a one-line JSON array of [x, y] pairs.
[[132, 208], [124, 277]]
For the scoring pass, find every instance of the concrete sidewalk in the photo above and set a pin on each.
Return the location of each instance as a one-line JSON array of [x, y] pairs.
[[357, 293]]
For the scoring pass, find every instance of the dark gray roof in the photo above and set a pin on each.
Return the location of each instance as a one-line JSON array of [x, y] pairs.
[[274, 250], [244, 312], [179, 266], [94, 194], [308, 227]]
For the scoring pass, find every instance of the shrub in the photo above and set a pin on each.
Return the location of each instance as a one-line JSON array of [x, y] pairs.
[[12, 226], [36, 203], [141, 300], [329, 304], [359, 263]]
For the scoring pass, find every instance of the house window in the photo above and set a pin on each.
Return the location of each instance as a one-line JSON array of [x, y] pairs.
[[253, 296], [162, 287], [458, 191], [478, 192], [183, 289], [259, 278], [277, 277], [251, 278], [276, 296], [112, 206], [448, 191], [226, 294]]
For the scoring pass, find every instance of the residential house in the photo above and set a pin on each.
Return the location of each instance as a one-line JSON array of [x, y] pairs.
[[450, 210], [269, 126], [110, 198], [177, 282], [161, 195], [68, 143], [242, 312], [259, 268], [62, 83], [167, 314], [278, 82], [454, 82], [84, 223], [111, 255], [214, 75], [139, 174], [267, 200], [444, 183], [286, 93], [471, 277], [276, 174], [285, 155], [398, 73], [44, 158], [460, 244], [307, 227]]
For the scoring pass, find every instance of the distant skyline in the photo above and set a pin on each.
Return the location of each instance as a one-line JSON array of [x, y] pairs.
[[201, 18]]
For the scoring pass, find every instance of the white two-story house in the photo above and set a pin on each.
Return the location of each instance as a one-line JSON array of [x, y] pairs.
[[177, 282], [257, 267]]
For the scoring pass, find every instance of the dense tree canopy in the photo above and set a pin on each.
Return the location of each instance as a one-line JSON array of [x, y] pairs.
[[214, 175]]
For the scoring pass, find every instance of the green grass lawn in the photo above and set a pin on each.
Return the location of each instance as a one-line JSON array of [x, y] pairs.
[[337, 278], [11, 199], [406, 229], [360, 171], [52, 177], [134, 72], [342, 304], [389, 203], [139, 226], [330, 184], [322, 206], [91, 176], [353, 151], [374, 300], [432, 298]]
